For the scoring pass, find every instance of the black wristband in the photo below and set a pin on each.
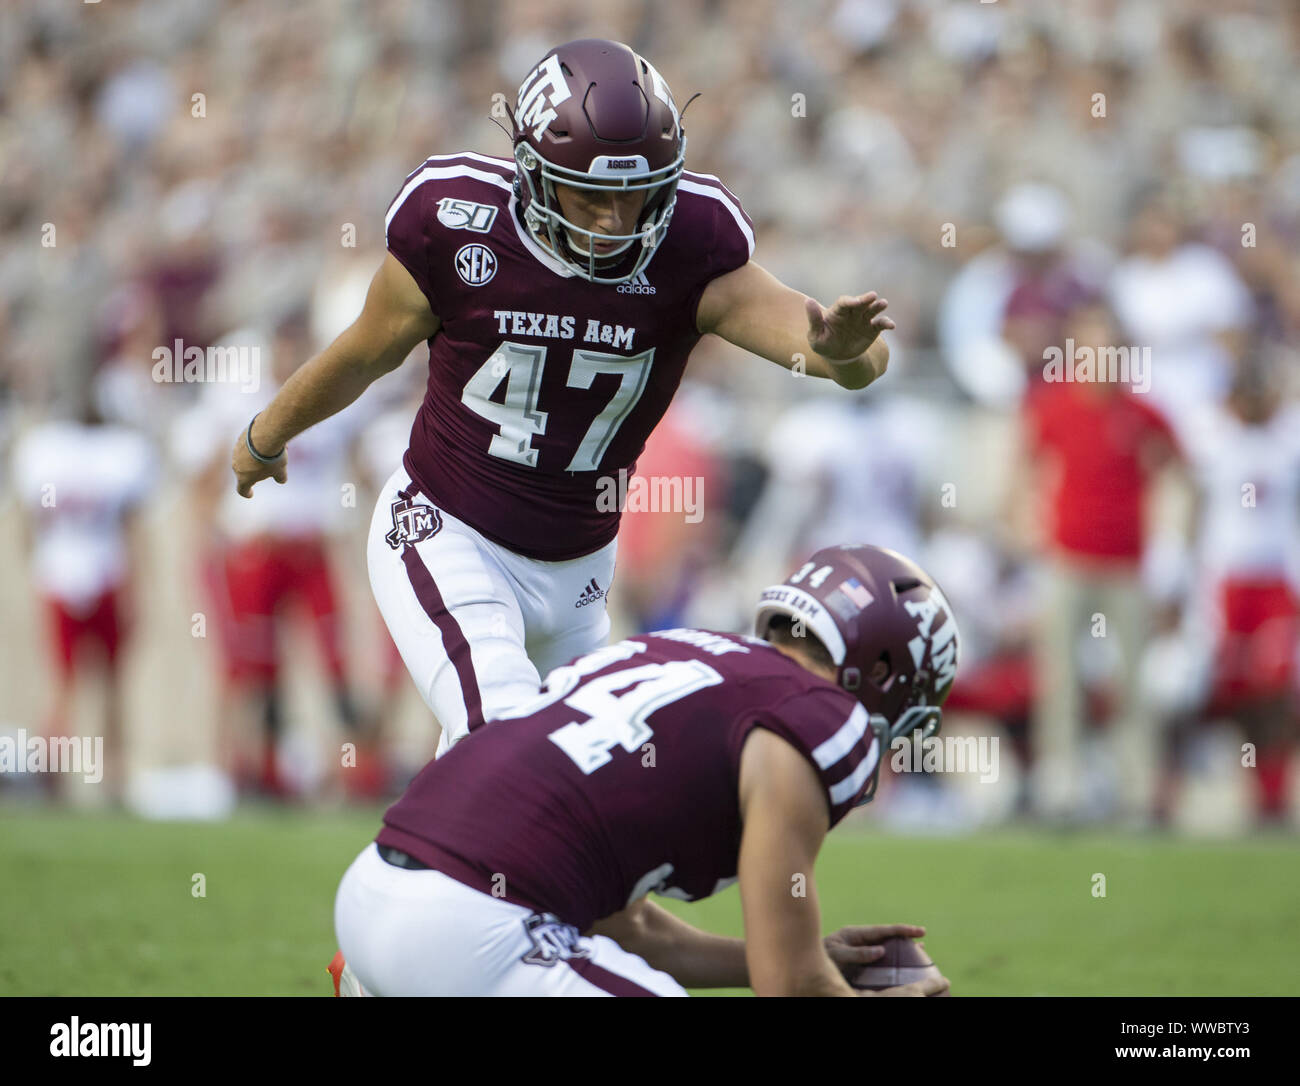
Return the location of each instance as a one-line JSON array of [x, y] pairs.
[[248, 440]]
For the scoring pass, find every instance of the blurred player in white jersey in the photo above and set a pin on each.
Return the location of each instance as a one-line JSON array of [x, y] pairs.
[[815, 494], [1246, 456], [270, 556], [81, 483]]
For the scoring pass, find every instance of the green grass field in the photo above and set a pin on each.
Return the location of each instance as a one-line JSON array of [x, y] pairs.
[[104, 905]]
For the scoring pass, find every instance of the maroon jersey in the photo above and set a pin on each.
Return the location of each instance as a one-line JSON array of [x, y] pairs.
[[622, 777], [541, 383]]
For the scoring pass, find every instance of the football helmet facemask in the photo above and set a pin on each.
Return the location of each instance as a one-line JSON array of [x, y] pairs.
[[594, 115]]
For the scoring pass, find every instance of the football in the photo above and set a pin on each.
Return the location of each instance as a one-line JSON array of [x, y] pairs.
[[904, 962]]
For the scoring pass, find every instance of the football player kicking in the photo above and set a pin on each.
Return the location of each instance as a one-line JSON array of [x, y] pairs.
[[519, 863], [560, 293]]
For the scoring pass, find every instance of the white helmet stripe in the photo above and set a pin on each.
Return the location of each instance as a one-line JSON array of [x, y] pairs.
[[788, 600]]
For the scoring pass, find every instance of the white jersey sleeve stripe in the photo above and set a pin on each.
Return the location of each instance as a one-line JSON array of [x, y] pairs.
[[843, 741], [430, 173], [487, 160], [721, 196], [850, 786]]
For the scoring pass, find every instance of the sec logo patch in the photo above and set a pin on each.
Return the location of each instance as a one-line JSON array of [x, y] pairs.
[[476, 264]]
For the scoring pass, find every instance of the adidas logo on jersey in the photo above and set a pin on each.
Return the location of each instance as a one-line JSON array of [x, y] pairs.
[[591, 594], [639, 285]]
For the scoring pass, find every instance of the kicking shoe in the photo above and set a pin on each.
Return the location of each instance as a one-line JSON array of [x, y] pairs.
[[345, 981]]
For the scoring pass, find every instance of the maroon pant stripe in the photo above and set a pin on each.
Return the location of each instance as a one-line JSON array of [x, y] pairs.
[[453, 639], [604, 979]]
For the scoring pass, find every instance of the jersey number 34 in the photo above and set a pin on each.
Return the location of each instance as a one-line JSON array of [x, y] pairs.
[[614, 719]]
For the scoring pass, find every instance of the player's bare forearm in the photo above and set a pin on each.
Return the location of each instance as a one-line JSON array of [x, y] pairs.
[[757, 312], [854, 373], [784, 947], [694, 958], [395, 318], [321, 387], [785, 819]]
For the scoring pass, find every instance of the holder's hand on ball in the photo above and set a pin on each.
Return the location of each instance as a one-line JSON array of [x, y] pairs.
[[886, 960], [859, 944]]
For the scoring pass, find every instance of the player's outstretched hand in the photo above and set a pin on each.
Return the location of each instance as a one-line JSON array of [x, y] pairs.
[[858, 945], [849, 327], [248, 471]]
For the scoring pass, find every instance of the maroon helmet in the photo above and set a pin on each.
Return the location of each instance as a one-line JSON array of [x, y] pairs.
[[887, 627], [595, 115]]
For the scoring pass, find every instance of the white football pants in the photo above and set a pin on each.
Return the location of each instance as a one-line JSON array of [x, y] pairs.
[[422, 933], [477, 624]]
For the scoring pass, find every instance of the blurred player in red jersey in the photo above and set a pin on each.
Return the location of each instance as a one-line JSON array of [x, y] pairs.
[[677, 763], [560, 292], [1095, 447], [1246, 459], [81, 483]]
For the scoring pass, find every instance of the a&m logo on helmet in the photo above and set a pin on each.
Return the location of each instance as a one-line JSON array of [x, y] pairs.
[[661, 91], [539, 94], [942, 643]]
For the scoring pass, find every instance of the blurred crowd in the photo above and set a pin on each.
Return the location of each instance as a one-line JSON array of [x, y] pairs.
[[1114, 179]]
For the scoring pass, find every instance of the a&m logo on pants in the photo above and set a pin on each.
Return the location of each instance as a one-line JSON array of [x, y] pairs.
[[412, 523], [553, 940]]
